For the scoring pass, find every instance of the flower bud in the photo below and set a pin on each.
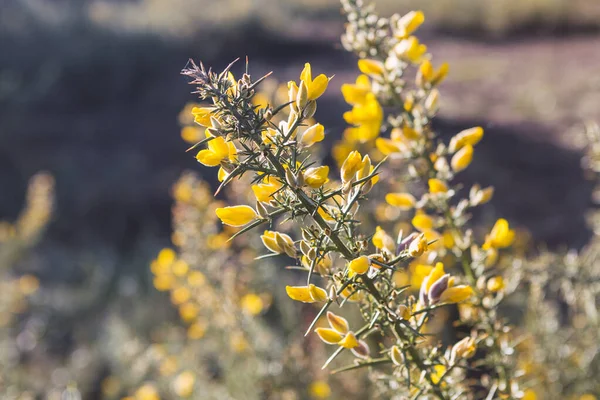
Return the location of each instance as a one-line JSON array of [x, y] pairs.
[[437, 288], [302, 96], [362, 350], [397, 356]]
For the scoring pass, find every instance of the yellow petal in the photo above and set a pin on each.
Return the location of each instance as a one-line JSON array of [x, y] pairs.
[[422, 222], [268, 239], [462, 158], [359, 265], [436, 273], [236, 215], [349, 341], [299, 293], [329, 336], [316, 177], [208, 158], [202, 115], [456, 294], [371, 67], [351, 166], [387, 146], [437, 186], [312, 135], [410, 22], [338, 323], [316, 293], [318, 87], [306, 75], [405, 201]]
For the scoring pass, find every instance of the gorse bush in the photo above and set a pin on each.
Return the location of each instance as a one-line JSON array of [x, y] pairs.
[[345, 265], [409, 343]]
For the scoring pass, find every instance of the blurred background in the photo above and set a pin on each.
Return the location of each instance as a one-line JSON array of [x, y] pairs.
[[90, 92]]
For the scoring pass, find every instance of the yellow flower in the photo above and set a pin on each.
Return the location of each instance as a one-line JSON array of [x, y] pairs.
[[188, 311], [192, 134], [236, 215], [397, 357], [495, 284], [196, 331], [448, 239], [436, 273], [422, 222], [456, 294], [470, 136], [202, 115], [315, 177], [306, 294], [351, 166], [500, 237], [217, 150], [388, 146], [418, 273], [410, 49], [409, 23], [437, 186], [319, 390], [465, 348], [315, 87], [180, 295], [428, 75], [312, 135], [404, 201], [437, 374], [462, 158], [418, 246], [367, 116], [264, 191], [326, 213], [278, 242], [183, 385], [383, 241], [147, 392], [252, 303], [371, 67], [329, 336], [357, 92], [28, 284], [529, 395], [359, 265], [349, 341]]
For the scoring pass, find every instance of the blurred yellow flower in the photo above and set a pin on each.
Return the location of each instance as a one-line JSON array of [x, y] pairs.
[[470, 136], [409, 23], [183, 385], [319, 390], [462, 159], [500, 237], [404, 201], [371, 67], [357, 92], [437, 186], [252, 303], [410, 49]]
